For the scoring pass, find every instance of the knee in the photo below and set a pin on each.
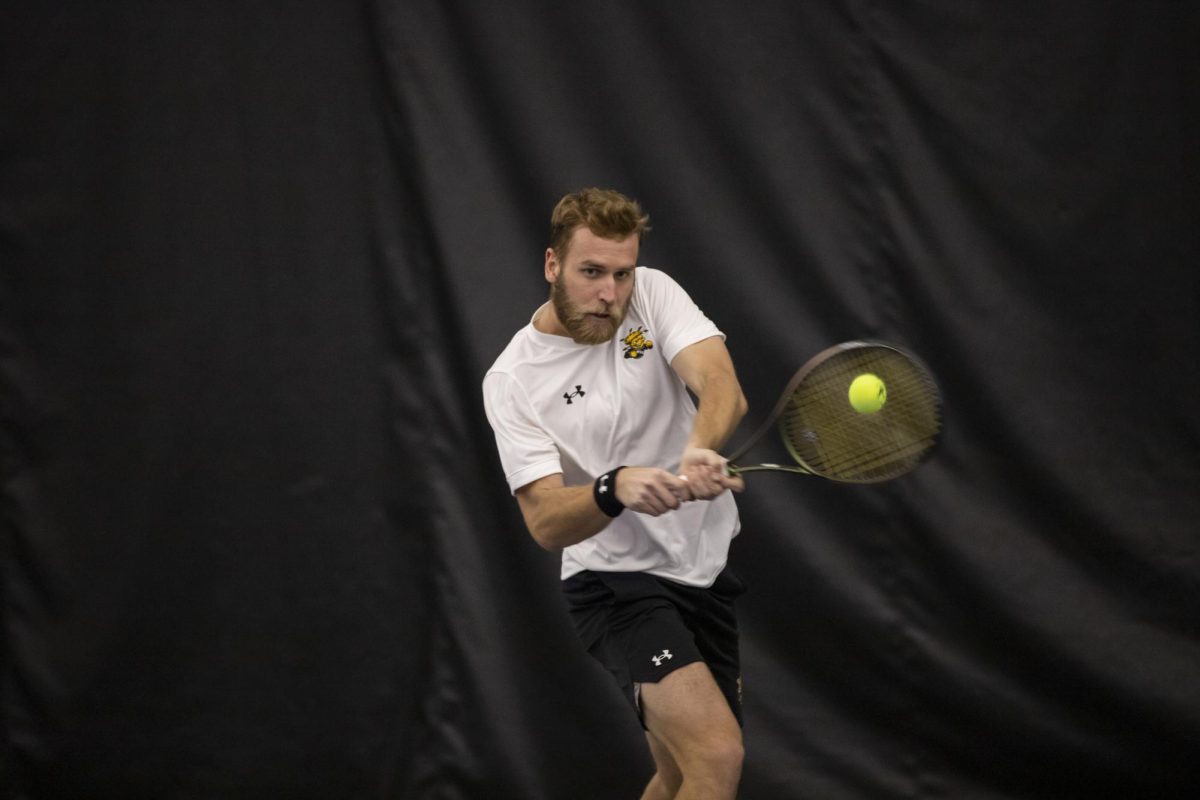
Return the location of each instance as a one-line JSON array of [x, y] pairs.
[[720, 755], [664, 784], [726, 754]]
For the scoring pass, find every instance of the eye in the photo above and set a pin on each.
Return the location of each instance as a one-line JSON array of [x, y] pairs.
[[623, 274]]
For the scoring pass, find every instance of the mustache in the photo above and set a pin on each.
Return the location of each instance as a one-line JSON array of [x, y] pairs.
[[594, 326]]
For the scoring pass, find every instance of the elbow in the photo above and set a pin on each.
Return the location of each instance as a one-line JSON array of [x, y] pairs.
[[545, 539], [732, 390]]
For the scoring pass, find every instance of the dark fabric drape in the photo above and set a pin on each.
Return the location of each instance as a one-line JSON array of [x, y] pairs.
[[255, 258], [213, 527]]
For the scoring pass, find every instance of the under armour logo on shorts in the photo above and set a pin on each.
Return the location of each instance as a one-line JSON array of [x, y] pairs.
[[658, 660]]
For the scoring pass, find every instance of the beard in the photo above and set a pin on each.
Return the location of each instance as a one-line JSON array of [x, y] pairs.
[[581, 325]]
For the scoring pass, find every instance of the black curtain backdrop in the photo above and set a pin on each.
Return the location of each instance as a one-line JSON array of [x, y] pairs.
[[256, 258]]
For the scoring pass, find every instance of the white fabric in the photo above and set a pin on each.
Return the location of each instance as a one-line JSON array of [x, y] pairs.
[[623, 410]]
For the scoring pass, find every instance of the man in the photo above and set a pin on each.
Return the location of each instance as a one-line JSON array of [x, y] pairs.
[[613, 465]]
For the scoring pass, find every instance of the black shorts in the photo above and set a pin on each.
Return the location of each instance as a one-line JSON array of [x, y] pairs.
[[642, 628]]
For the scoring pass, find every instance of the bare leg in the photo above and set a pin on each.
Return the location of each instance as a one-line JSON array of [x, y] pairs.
[[687, 715], [667, 779]]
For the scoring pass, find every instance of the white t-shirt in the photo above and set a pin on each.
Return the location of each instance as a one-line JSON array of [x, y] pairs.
[[558, 406]]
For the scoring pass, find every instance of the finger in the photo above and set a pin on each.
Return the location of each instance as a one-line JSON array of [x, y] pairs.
[[710, 484], [701, 473], [669, 494], [735, 482], [714, 482], [657, 499], [649, 505], [699, 485], [688, 492], [677, 486]]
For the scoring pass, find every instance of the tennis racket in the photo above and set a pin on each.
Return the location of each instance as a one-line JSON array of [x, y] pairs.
[[828, 437]]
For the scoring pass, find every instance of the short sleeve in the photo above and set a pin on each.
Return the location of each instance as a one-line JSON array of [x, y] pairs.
[[526, 451], [676, 320]]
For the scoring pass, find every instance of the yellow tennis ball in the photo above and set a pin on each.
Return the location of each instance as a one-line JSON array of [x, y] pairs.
[[867, 393]]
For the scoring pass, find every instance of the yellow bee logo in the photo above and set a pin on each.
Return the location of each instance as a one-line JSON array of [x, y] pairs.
[[636, 343]]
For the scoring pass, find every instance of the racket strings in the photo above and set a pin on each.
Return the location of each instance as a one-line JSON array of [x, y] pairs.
[[884, 461], [829, 437]]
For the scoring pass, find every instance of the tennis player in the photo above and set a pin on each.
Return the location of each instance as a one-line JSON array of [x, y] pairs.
[[614, 466]]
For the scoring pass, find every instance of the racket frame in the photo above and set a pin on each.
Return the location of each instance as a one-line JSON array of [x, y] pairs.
[[785, 397]]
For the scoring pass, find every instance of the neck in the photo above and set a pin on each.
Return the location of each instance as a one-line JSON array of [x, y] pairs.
[[546, 321]]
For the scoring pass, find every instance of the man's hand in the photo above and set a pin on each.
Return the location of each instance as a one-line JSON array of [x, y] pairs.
[[704, 471], [652, 491]]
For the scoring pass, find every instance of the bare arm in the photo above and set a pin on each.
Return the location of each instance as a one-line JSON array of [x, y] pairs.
[[559, 516], [707, 369]]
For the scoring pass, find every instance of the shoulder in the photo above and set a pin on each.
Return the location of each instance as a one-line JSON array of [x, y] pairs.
[[656, 280], [670, 312], [504, 384], [657, 291], [518, 351]]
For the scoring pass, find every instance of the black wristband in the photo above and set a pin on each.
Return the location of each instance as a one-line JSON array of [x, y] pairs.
[[604, 491]]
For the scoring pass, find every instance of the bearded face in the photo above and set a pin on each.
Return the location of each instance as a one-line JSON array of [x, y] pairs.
[[596, 324], [591, 284]]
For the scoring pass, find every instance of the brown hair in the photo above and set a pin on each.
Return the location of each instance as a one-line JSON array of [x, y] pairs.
[[606, 213]]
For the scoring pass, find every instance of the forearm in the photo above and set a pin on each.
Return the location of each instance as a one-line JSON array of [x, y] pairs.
[[559, 516], [563, 516], [721, 406]]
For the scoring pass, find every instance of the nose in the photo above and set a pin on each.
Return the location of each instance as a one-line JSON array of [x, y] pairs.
[[608, 289]]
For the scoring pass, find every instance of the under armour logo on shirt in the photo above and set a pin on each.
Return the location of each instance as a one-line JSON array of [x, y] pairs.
[[579, 392], [658, 660]]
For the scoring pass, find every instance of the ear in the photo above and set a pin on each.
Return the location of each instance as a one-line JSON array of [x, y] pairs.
[[552, 266]]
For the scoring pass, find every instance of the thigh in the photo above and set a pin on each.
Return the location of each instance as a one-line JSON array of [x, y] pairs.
[[652, 645], [687, 708], [630, 624], [711, 616]]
